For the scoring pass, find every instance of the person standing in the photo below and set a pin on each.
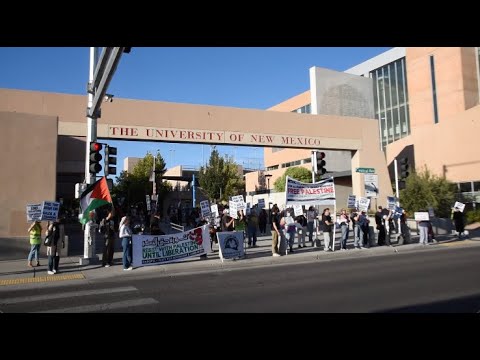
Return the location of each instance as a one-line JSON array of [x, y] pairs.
[[327, 230], [301, 220], [252, 224], [108, 229], [228, 223], [262, 222], [275, 229], [364, 233], [126, 236], [289, 228], [356, 230], [379, 222], [53, 250], [35, 232], [459, 223], [344, 225], [311, 216]]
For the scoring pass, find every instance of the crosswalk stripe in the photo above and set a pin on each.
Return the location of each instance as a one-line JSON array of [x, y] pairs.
[[65, 295], [103, 307]]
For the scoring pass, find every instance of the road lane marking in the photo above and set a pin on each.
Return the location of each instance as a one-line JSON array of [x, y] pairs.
[[40, 279], [70, 294], [103, 307]]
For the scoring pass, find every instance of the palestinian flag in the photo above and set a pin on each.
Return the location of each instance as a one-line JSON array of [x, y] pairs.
[[94, 196]]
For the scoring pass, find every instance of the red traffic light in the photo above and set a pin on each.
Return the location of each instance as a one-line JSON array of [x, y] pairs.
[[95, 146]]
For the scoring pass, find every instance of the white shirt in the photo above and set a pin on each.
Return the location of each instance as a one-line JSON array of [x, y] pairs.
[[124, 231]]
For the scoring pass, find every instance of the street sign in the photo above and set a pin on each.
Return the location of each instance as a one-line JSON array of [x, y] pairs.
[[366, 170], [371, 185]]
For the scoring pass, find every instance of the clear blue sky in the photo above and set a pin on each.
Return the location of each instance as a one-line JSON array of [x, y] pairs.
[[242, 77]]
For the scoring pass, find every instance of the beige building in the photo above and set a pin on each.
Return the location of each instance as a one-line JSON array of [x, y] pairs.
[[425, 102]]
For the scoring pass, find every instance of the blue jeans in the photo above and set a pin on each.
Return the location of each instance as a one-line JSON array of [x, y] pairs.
[[358, 242], [310, 231], [127, 252], [252, 232], [343, 242], [34, 251]]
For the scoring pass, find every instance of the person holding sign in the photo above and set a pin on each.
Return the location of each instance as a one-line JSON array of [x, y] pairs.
[[311, 216], [35, 232], [344, 225]]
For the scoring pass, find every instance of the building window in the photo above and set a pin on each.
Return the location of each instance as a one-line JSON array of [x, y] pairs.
[[275, 167], [303, 110], [434, 89], [465, 187], [391, 101], [476, 186], [307, 161], [275, 149]]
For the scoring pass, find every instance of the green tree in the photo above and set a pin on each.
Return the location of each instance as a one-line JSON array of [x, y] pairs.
[[133, 187], [298, 173], [424, 189], [220, 178]]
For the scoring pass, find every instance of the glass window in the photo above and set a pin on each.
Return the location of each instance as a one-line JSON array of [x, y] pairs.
[[396, 122], [275, 149], [386, 81], [307, 161], [403, 121], [373, 74], [401, 82], [476, 186], [393, 83], [381, 89], [466, 187]]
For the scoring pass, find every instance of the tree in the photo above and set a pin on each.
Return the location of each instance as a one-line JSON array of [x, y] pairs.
[[136, 185], [298, 173], [220, 178], [424, 190]]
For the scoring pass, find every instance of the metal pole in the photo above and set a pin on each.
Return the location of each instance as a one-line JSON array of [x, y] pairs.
[[396, 179], [313, 166], [193, 191], [397, 193], [154, 179], [89, 249]]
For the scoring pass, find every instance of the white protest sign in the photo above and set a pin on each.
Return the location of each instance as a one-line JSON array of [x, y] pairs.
[[232, 207], [371, 185], [391, 203], [261, 203], [297, 210], [50, 210], [231, 245], [421, 216], [351, 202], [461, 206], [147, 199], [238, 199], [34, 212], [363, 203], [214, 209], [161, 249], [205, 208]]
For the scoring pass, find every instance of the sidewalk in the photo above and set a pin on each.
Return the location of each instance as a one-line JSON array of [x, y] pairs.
[[16, 273]]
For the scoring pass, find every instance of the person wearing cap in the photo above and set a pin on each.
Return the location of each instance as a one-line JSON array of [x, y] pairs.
[[228, 222]]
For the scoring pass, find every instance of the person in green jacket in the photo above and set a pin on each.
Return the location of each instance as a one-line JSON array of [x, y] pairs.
[[35, 231]]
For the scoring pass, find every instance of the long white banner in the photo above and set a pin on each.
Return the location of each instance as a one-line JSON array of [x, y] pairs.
[[157, 250], [300, 193]]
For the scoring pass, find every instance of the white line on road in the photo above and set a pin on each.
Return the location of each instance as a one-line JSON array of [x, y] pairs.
[[103, 307], [66, 295]]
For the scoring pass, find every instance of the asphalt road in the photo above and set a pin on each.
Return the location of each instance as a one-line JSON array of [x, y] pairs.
[[424, 281]]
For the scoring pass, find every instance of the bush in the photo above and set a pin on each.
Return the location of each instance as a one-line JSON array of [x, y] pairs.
[[473, 216]]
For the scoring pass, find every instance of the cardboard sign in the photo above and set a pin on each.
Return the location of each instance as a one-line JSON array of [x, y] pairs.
[[261, 203], [421, 216], [351, 202], [205, 208], [391, 203], [214, 210], [297, 210], [461, 206], [363, 203], [34, 212], [231, 244]]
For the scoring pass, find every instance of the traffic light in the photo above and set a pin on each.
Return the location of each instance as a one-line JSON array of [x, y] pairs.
[[110, 159], [404, 168], [95, 157], [319, 165]]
